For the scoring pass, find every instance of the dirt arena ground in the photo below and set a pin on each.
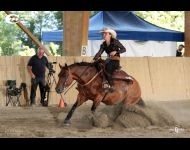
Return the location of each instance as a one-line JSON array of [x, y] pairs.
[[163, 119]]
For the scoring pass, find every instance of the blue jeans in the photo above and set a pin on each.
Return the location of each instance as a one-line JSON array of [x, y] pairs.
[[35, 82]]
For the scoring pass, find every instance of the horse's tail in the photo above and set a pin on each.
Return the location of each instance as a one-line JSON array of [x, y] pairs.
[[141, 103]]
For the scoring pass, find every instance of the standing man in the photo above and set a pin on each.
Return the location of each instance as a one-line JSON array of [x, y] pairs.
[[36, 68], [179, 51]]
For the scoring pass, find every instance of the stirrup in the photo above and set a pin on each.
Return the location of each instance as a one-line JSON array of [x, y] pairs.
[[105, 85]]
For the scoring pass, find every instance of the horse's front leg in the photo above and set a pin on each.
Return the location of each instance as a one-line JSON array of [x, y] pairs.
[[94, 106], [80, 100], [69, 115]]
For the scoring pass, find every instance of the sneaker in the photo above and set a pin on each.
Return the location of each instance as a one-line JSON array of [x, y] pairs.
[[32, 104], [45, 104]]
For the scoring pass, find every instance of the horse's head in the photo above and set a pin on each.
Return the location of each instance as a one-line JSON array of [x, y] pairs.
[[65, 79]]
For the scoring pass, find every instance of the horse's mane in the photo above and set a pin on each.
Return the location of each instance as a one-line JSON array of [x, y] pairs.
[[95, 64], [85, 63]]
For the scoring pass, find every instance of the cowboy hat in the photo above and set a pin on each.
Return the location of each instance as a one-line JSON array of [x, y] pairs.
[[112, 32]]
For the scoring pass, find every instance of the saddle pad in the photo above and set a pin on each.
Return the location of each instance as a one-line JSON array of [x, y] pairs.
[[120, 74]]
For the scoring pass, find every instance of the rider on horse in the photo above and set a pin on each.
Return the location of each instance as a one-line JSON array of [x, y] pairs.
[[113, 48]]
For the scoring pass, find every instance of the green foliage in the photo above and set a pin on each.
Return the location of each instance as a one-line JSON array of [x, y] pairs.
[[9, 43], [13, 41], [35, 21], [59, 17], [173, 20], [27, 51]]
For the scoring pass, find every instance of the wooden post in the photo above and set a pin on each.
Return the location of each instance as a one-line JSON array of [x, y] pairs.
[[187, 34], [85, 25], [75, 32], [34, 39]]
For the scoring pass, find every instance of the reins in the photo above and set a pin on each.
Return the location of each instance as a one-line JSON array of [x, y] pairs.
[[91, 79], [85, 83]]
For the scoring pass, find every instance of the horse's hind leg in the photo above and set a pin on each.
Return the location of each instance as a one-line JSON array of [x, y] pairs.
[[80, 100]]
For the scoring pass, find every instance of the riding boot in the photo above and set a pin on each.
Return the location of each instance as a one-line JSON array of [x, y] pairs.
[[110, 82], [105, 83]]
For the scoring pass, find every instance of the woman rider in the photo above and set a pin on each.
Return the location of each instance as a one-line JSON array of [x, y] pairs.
[[113, 48]]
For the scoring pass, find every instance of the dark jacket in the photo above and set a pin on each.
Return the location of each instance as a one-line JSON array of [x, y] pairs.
[[115, 45]]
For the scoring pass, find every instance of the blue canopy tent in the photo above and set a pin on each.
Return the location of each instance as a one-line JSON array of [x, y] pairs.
[[128, 27]]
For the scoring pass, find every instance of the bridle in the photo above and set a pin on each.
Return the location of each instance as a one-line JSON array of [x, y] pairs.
[[85, 84], [67, 78]]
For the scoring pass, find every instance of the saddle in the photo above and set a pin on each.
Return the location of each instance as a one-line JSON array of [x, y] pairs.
[[118, 74], [122, 75]]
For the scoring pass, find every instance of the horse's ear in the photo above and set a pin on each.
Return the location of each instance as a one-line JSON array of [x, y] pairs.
[[66, 66], [60, 66]]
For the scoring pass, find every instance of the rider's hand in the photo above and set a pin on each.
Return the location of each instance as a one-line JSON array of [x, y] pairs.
[[113, 53]]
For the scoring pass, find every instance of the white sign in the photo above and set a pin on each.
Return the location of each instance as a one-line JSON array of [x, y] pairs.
[[12, 18], [177, 130], [84, 50]]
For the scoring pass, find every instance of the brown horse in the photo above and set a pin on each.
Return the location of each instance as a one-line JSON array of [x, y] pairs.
[[89, 80]]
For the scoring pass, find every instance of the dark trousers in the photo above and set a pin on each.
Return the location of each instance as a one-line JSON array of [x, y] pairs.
[[111, 66], [35, 82]]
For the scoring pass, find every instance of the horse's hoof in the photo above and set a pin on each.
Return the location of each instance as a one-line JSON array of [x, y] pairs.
[[67, 122]]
